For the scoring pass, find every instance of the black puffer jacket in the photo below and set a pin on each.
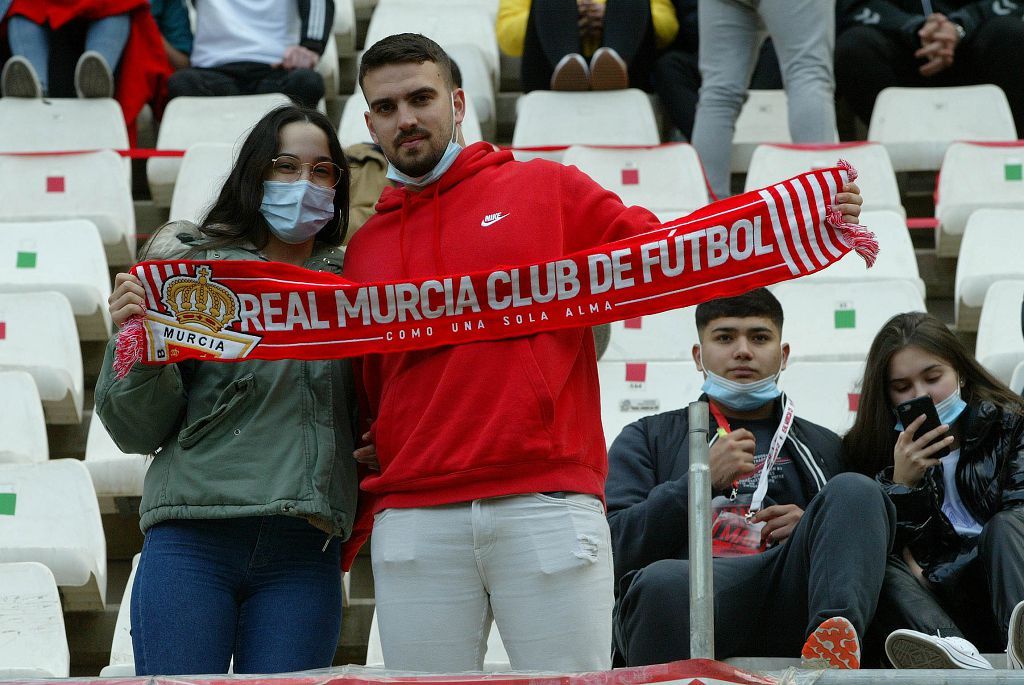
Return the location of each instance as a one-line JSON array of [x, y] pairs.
[[905, 17], [989, 478]]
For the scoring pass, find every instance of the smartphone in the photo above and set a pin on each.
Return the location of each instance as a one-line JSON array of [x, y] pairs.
[[911, 409]]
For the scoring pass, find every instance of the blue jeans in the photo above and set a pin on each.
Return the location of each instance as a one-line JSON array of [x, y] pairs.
[[106, 36], [259, 589]]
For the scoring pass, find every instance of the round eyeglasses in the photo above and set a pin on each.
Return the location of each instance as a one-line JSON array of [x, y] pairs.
[[289, 169]]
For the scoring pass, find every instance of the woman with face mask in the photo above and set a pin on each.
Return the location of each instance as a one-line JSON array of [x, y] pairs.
[[955, 581], [252, 485]]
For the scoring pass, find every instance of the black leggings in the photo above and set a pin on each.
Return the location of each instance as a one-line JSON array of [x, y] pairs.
[[868, 60], [552, 32], [978, 608]]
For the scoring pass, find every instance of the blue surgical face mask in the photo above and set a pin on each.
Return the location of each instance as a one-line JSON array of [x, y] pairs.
[[741, 396], [447, 159], [296, 211], [949, 409]]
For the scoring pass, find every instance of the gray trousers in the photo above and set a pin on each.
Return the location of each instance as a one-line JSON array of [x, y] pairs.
[[731, 33]]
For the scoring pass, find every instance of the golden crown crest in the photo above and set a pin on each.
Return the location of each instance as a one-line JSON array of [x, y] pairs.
[[200, 300]]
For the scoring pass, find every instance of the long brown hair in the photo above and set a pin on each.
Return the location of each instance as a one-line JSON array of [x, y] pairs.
[[868, 446]]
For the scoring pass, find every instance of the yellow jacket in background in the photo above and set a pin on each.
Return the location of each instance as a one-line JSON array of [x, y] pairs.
[[514, 14]]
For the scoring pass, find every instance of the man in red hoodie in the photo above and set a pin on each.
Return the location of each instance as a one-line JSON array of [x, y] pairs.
[[492, 462]]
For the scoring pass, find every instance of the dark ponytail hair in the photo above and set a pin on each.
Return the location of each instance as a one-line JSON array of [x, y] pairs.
[[868, 446]]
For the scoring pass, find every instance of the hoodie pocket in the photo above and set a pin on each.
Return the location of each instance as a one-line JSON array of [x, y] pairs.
[[235, 397]]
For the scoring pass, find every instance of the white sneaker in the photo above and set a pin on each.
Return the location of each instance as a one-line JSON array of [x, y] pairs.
[[19, 79], [911, 649], [93, 78], [1015, 639]]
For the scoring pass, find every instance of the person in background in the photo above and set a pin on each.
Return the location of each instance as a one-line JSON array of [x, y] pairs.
[[172, 19], [883, 43], [790, 577], [29, 28], [244, 47], [731, 33], [955, 578], [676, 73], [555, 38]]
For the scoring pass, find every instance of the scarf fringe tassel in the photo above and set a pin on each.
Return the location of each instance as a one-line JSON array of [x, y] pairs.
[[131, 340], [859, 238]]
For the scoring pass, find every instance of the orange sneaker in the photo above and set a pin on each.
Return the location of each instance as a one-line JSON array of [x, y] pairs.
[[833, 644]]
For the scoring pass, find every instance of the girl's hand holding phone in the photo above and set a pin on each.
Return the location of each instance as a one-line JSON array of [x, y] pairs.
[[911, 458]]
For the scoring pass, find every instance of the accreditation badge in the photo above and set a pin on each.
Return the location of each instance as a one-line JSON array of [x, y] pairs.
[[733, 534]]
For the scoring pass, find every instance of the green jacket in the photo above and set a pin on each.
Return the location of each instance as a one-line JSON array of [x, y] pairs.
[[248, 438]]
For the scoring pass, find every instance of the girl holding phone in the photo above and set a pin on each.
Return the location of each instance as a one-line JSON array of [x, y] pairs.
[[957, 568]]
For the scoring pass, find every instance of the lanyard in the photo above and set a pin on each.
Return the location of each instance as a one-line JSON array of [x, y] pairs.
[[774, 449]]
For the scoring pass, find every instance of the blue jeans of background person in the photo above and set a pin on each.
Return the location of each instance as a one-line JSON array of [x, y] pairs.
[[106, 36], [259, 589]]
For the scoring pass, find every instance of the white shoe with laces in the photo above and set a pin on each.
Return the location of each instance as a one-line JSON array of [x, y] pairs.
[[911, 649], [1015, 639]]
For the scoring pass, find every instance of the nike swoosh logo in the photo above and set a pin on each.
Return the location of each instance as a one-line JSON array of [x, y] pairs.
[[491, 220]]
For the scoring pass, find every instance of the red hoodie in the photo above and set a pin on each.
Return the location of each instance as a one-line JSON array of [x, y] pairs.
[[486, 419]]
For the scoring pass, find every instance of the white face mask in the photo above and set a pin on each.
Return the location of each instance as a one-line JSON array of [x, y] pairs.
[[451, 153], [295, 212], [741, 396]]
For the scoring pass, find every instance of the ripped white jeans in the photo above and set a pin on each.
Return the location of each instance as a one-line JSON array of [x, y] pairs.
[[541, 566]]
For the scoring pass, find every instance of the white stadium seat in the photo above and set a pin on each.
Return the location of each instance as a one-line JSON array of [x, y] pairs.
[[773, 163], [668, 336], [1000, 345], [22, 426], [987, 255], [495, 658], [448, 25], [51, 517], [633, 390], [122, 654], [204, 168], [37, 335], [896, 258], [918, 124], [763, 119], [838, 321], [34, 644], [825, 393], [353, 124], [476, 81], [327, 67], [114, 473], [62, 256], [345, 27], [87, 186], [666, 180], [62, 125], [976, 176], [1017, 381], [608, 117], [190, 120]]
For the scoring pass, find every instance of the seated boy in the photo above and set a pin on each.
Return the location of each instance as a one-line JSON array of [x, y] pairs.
[[800, 546]]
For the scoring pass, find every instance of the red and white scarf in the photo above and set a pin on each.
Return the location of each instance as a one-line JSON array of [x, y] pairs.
[[234, 310]]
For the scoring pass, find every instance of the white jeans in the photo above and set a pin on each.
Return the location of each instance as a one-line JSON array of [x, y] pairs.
[[540, 566], [731, 33]]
